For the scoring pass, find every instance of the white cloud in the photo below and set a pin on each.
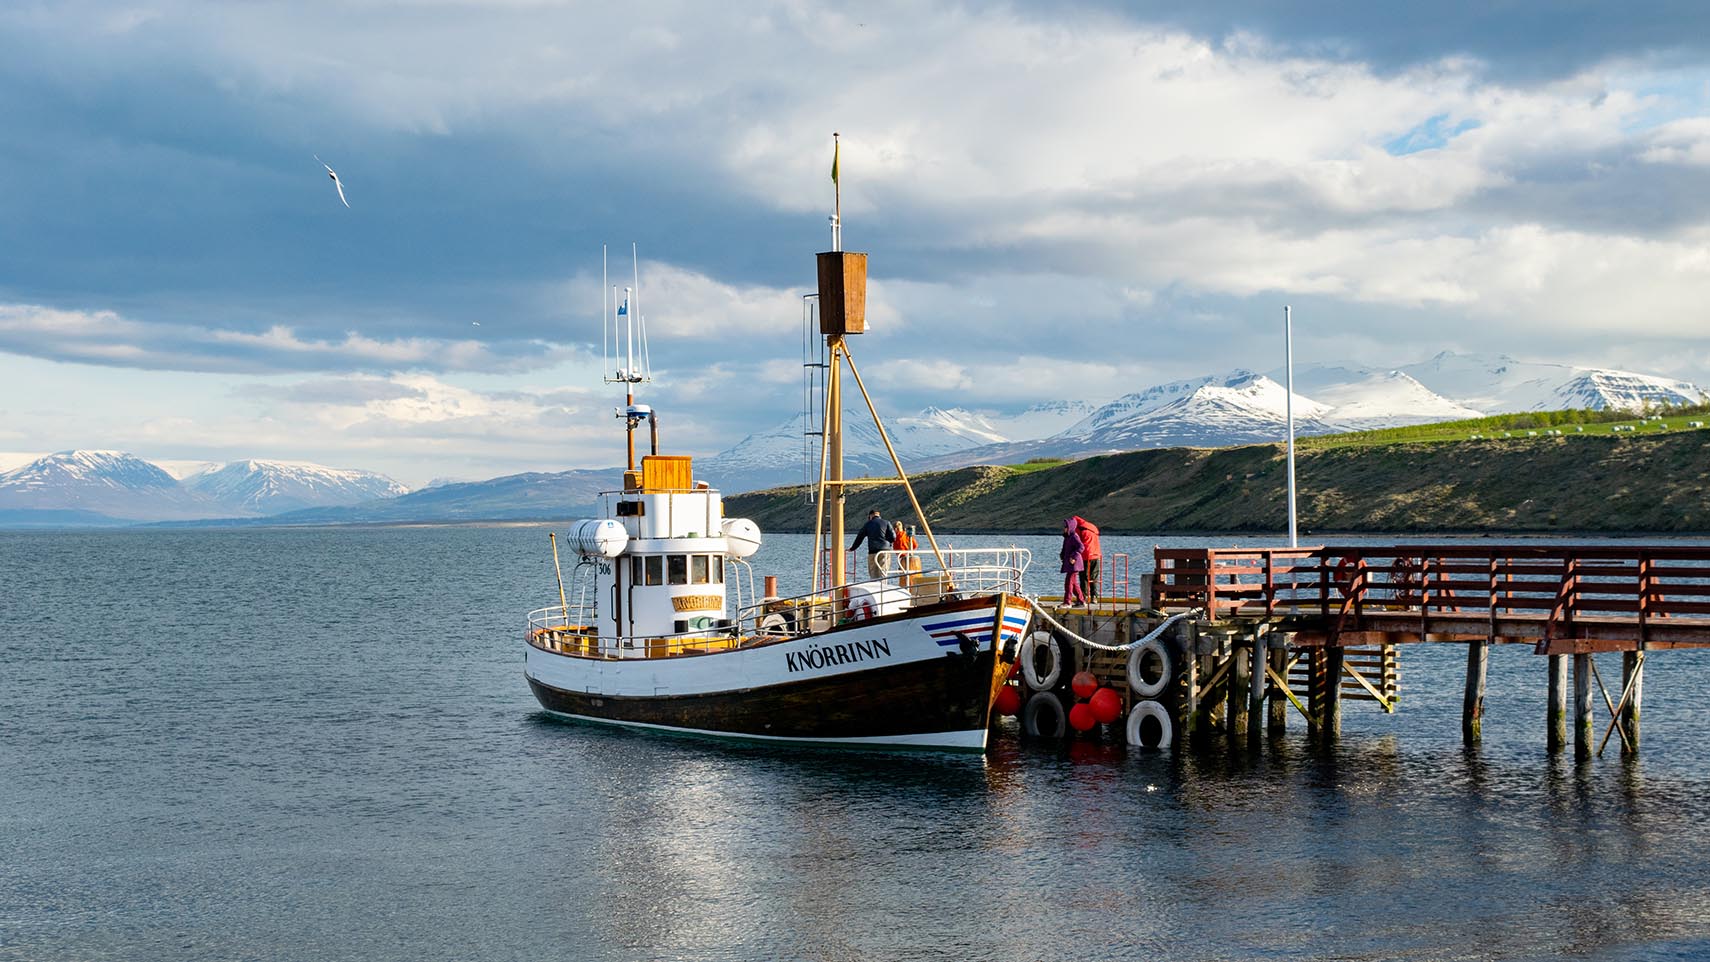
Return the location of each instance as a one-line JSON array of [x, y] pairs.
[[105, 337]]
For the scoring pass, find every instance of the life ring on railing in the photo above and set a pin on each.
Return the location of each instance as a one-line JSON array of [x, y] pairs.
[[861, 608], [1043, 642], [1343, 576], [1044, 716], [1137, 716], [1137, 658]]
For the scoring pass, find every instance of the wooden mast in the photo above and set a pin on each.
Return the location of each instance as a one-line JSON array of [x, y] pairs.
[[843, 311]]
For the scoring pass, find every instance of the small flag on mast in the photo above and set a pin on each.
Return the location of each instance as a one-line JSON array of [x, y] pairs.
[[835, 147]]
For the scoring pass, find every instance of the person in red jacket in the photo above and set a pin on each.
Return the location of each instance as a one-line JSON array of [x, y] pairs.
[[1091, 556]]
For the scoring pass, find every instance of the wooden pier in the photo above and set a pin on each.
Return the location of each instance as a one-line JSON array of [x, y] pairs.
[[1302, 630]]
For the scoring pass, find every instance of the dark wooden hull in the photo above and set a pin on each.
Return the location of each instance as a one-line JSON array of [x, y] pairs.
[[898, 706]]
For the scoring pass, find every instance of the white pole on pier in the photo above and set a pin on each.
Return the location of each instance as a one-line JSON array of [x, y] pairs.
[[1288, 365]]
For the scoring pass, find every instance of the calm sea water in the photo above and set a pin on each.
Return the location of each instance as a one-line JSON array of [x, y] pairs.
[[317, 744]]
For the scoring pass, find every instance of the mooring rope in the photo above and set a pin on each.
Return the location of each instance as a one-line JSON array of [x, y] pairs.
[[1039, 610]]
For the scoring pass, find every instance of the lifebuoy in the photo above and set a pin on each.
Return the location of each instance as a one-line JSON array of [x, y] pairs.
[[1037, 642], [1137, 658], [861, 608], [1137, 716], [1043, 716], [1344, 575]]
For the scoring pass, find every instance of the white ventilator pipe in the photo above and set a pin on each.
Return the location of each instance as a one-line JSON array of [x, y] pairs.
[[1288, 366]]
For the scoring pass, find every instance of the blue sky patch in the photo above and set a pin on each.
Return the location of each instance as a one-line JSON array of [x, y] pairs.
[[1435, 132]]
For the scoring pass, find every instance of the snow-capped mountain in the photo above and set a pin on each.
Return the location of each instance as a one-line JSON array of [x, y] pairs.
[[1386, 399], [1133, 405], [1499, 384], [107, 483], [90, 470], [112, 486], [1039, 421], [1243, 408], [778, 455], [255, 486]]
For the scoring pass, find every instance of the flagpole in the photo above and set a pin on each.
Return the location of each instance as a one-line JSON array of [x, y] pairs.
[[1288, 364], [837, 198]]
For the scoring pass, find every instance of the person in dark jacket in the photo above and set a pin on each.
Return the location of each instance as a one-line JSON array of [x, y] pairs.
[[1073, 555], [878, 535]]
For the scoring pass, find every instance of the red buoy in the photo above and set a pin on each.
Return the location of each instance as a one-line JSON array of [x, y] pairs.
[[1106, 705], [1081, 717], [1084, 684], [1008, 701]]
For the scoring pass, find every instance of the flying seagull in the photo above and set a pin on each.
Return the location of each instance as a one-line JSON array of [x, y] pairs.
[[335, 181]]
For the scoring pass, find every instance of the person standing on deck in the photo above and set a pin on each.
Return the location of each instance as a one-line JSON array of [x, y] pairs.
[[904, 542], [878, 535], [1091, 556], [1074, 562]]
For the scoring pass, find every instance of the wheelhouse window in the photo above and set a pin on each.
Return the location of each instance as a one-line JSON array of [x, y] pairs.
[[655, 570], [635, 575], [677, 569], [698, 565], [718, 569]]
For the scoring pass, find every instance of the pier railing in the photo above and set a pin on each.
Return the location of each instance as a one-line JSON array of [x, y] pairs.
[[1573, 595]]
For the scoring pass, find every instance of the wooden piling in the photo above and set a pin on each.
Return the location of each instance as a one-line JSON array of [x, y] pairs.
[[1256, 688], [1277, 723], [1582, 720], [1240, 671], [1632, 682], [1212, 696], [1472, 702], [1556, 715], [1190, 672], [1330, 698]]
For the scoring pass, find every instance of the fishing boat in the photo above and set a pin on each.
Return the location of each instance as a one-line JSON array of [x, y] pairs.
[[660, 625]]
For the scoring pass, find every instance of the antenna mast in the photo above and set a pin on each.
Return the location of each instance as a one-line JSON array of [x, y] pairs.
[[625, 326]]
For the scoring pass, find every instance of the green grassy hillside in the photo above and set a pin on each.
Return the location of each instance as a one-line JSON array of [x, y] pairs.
[[1613, 483]]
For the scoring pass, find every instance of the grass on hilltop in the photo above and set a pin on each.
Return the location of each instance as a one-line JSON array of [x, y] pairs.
[[1530, 424], [1036, 464]]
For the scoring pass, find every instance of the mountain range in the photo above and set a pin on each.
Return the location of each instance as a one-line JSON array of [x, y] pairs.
[[112, 487], [1238, 407]]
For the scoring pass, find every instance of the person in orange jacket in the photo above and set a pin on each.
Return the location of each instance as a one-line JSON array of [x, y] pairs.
[[904, 541], [1091, 554]]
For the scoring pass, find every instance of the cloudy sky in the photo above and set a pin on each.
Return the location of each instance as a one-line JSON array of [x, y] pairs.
[[1059, 200]]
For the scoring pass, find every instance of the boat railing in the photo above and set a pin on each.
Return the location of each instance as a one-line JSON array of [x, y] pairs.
[[907, 579], [572, 630], [980, 570]]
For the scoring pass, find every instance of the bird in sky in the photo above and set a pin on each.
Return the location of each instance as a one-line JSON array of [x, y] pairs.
[[335, 181]]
